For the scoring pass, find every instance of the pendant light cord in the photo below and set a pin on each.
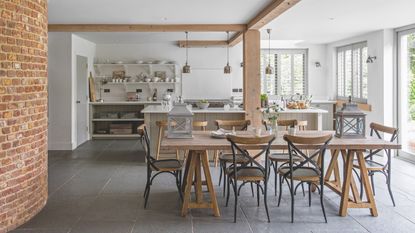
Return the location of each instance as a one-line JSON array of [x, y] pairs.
[[269, 47], [227, 48], [187, 47]]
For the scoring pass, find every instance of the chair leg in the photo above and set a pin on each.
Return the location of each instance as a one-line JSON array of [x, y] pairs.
[[220, 173], [275, 166], [224, 177], [146, 196], [321, 201], [292, 200], [309, 194], [280, 193], [257, 193], [177, 174], [252, 189], [388, 182], [302, 187], [265, 200], [228, 194], [235, 189]]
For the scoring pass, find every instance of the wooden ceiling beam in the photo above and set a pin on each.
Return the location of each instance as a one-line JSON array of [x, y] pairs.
[[202, 43], [269, 13], [146, 27]]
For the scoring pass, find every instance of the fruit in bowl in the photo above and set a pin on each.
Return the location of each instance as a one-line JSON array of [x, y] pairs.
[[203, 104]]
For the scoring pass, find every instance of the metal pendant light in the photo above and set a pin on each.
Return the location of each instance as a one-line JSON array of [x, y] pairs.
[[228, 68], [269, 69], [186, 67]]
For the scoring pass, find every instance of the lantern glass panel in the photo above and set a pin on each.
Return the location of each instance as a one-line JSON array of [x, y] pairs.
[[180, 121]]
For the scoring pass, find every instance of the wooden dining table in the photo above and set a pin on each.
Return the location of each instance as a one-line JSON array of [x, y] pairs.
[[351, 150]]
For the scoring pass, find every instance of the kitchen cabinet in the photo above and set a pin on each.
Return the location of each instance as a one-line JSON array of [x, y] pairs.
[[328, 119]]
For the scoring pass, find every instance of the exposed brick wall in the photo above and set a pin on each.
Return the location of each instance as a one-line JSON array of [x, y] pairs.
[[23, 110]]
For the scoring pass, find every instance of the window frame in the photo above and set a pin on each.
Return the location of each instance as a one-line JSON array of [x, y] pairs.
[[358, 45], [276, 66]]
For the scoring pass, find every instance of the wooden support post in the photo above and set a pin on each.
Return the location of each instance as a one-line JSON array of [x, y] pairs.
[[252, 76]]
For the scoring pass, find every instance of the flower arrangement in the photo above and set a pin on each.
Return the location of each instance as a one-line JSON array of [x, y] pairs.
[[271, 114]]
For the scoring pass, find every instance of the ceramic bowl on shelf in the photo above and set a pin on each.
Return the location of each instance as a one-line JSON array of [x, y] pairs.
[[202, 105], [147, 80], [156, 79], [139, 62]]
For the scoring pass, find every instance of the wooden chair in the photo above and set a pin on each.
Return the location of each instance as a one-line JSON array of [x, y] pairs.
[[281, 157], [307, 170], [302, 125], [225, 157], [162, 127], [252, 172], [376, 167], [171, 166]]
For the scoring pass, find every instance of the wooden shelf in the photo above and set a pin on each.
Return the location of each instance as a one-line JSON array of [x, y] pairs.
[[145, 83], [108, 119]]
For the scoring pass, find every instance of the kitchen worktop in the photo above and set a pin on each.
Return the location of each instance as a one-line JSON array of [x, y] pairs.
[[161, 109], [308, 110], [125, 102]]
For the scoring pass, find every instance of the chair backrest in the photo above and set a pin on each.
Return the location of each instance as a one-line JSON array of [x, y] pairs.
[[229, 124], [284, 123], [200, 124], [296, 148], [145, 141], [302, 125], [378, 129], [237, 145]]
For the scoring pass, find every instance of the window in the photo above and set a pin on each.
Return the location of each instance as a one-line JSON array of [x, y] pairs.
[[352, 72], [290, 76]]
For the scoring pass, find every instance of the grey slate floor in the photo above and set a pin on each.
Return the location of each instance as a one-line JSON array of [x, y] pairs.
[[99, 187]]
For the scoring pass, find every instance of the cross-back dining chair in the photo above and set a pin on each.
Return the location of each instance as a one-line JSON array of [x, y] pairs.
[[378, 167], [251, 172], [156, 167], [308, 170]]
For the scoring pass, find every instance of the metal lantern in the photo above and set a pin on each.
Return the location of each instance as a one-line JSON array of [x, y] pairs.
[[180, 122], [350, 121]]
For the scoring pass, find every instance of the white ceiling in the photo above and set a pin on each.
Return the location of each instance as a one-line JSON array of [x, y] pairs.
[[154, 11], [324, 21], [311, 21]]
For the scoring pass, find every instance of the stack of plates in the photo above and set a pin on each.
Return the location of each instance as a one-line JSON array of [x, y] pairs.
[[220, 133]]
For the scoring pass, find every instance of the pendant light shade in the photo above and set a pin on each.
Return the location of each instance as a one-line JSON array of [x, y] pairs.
[[269, 70], [186, 67], [227, 69]]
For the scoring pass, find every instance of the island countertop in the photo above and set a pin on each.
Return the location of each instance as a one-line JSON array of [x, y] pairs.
[[161, 109]]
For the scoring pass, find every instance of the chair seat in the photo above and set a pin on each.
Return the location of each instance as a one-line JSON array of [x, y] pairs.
[[247, 174], [302, 174], [370, 165], [167, 165], [282, 157], [228, 157]]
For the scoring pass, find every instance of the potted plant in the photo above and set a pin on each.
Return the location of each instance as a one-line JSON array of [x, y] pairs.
[[264, 100], [203, 104]]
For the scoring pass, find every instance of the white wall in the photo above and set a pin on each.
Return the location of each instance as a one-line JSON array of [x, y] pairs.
[[210, 59], [87, 49], [380, 73], [317, 79], [62, 51], [59, 96]]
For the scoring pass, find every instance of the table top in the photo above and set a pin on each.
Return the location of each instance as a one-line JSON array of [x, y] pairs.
[[203, 141]]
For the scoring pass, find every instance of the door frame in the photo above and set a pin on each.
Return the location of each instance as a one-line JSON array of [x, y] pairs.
[[398, 34]]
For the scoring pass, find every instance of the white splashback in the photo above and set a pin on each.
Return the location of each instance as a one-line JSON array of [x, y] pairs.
[[206, 84]]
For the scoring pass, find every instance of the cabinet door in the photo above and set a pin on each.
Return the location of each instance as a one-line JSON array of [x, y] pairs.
[[327, 117]]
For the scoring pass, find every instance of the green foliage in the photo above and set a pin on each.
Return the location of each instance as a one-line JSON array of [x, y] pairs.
[[411, 42], [264, 97]]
